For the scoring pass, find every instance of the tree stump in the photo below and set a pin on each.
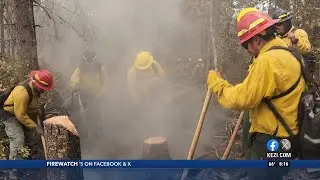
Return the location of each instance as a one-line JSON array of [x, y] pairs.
[[156, 148], [62, 143]]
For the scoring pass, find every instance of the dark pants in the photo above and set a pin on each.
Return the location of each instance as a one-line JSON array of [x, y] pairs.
[[254, 148], [85, 110], [245, 131], [257, 151]]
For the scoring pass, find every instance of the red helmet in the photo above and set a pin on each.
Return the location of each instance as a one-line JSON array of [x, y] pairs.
[[250, 22], [42, 79]]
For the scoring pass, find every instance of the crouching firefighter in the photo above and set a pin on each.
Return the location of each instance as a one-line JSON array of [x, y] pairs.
[[274, 81], [20, 108]]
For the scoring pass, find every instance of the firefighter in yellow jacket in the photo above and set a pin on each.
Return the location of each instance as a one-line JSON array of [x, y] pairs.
[[270, 74], [89, 80], [294, 37], [143, 76], [19, 107], [89, 77]]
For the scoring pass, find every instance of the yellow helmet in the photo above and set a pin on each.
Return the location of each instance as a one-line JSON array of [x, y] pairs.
[[143, 60]]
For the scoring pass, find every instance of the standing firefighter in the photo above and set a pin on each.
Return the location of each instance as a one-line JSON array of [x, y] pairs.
[[89, 77], [20, 105], [143, 76], [88, 80], [294, 37], [274, 76]]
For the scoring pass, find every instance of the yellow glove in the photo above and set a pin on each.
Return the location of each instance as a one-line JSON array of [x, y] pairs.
[[214, 78]]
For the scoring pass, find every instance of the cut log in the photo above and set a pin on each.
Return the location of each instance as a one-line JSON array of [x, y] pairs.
[[156, 148], [62, 143]]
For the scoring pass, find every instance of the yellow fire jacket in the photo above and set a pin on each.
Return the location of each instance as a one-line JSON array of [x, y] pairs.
[[303, 45], [92, 83], [271, 73], [140, 82], [17, 104]]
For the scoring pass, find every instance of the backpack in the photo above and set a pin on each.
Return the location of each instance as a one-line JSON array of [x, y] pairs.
[[308, 112], [311, 60], [95, 67], [5, 94]]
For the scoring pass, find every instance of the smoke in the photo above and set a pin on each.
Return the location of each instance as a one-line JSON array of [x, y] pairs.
[[121, 29]]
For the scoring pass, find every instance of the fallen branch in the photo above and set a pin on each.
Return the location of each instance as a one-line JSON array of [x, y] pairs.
[[221, 137], [216, 151]]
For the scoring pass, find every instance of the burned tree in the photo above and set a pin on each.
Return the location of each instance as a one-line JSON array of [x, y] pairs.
[[26, 46], [2, 45]]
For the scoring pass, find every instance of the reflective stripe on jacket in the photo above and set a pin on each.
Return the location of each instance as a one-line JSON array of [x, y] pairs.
[[17, 104], [271, 73]]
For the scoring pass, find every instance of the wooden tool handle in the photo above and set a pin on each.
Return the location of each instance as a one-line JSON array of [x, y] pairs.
[[200, 124], [42, 138], [233, 137], [198, 130]]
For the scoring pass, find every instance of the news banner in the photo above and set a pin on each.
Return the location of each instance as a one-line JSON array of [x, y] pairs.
[[278, 156], [157, 164]]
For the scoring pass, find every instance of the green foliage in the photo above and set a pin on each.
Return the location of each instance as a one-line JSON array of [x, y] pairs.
[[3, 148], [24, 152]]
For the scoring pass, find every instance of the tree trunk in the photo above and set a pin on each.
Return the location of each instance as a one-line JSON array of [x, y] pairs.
[[156, 148], [2, 46], [9, 30], [62, 143], [26, 46]]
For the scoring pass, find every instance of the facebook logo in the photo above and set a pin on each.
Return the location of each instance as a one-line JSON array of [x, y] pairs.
[[272, 145]]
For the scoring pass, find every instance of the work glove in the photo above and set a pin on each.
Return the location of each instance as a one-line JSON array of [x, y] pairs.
[[214, 81], [292, 37]]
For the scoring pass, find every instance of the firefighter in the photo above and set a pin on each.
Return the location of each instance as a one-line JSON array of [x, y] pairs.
[[89, 77], [20, 106], [294, 37], [269, 75], [89, 80], [143, 75]]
